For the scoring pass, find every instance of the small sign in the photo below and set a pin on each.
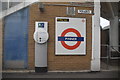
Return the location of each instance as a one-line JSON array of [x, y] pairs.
[[70, 36], [41, 25], [85, 11], [63, 20]]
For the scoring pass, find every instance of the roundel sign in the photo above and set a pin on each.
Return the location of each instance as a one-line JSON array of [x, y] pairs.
[[64, 39], [70, 36]]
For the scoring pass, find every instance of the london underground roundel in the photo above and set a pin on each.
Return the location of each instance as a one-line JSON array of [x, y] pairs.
[[64, 38], [70, 36]]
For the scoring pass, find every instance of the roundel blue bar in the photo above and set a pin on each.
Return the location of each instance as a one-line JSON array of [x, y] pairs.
[[70, 38]]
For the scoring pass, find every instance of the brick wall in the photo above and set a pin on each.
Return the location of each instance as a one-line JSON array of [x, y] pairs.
[[59, 63]]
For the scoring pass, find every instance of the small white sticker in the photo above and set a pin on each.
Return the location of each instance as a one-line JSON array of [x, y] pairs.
[[85, 11]]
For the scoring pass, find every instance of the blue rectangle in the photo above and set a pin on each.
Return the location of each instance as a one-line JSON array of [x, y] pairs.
[[16, 37], [70, 38]]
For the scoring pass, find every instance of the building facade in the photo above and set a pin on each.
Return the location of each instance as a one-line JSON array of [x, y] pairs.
[[20, 27]]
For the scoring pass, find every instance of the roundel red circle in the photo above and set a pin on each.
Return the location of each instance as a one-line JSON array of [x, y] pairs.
[[63, 35]]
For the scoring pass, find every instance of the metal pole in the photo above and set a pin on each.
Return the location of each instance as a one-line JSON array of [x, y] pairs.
[[109, 54], [108, 57], [8, 4]]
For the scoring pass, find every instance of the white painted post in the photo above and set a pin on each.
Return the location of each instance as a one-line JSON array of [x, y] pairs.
[[95, 62], [8, 4]]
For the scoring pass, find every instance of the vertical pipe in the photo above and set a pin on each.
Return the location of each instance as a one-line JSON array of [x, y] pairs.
[[8, 4], [107, 56]]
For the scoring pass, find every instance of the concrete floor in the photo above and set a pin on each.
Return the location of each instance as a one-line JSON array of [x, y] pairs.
[[111, 70], [112, 65], [102, 74]]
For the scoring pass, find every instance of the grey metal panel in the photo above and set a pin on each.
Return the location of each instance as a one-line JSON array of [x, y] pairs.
[[40, 55]]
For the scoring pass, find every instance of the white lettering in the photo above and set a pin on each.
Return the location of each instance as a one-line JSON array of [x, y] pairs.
[[70, 38]]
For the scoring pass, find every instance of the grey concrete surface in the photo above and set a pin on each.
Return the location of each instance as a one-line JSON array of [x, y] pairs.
[[101, 74]]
